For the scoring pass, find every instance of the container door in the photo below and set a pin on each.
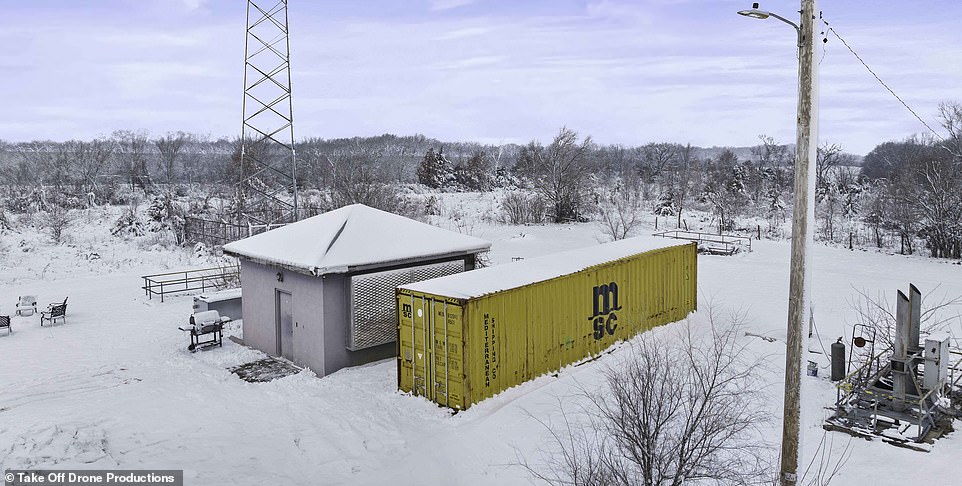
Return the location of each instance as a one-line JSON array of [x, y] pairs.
[[405, 342], [414, 345], [445, 327], [285, 325], [419, 349]]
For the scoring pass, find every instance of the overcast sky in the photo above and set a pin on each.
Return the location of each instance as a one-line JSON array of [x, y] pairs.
[[622, 71]]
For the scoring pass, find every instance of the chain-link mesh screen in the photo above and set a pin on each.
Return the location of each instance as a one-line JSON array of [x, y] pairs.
[[373, 319]]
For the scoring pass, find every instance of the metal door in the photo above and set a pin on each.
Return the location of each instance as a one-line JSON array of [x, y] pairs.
[[285, 325]]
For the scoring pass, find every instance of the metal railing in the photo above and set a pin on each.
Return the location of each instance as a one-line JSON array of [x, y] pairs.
[[726, 244], [221, 232], [189, 280]]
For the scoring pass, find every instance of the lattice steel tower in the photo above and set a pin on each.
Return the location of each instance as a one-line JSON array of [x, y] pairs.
[[268, 191]]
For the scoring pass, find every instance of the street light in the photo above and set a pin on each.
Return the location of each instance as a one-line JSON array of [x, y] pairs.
[[803, 214], [754, 12]]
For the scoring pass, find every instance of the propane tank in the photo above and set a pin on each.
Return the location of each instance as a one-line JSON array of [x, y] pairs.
[[838, 360]]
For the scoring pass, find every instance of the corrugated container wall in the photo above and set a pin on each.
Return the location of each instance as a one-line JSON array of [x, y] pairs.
[[459, 349]]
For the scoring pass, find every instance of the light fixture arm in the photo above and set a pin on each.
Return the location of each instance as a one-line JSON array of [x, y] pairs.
[[798, 30]]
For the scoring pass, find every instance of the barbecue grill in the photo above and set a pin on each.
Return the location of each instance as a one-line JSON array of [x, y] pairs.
[[206, 329]]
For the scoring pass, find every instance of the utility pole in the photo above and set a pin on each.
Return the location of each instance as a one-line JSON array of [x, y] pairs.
[[803, 216]]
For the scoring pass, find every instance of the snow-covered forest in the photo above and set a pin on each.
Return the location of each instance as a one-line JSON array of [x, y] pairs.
[[903, 196]]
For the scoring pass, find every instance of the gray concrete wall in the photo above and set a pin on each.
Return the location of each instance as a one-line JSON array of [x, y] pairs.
[[259, 309]]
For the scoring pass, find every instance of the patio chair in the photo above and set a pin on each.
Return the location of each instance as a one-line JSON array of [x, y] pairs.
[[5, 324], [54, 312], [27, 305]]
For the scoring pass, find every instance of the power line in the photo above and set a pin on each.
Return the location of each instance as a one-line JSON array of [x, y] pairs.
[[890, 90]]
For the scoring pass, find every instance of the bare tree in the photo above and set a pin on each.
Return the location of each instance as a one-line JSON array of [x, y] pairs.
[[132, 149], [902, 215], [725, 189], [684, 177], [950, 114], [656, 158], [828, 159], [618, 210], [937, 198], [877, 211], [313, 164], [92, 159], [770, 152], [559, 173], [35, 157], [358, 177], [670, 414], [196, 156], [171, 148]]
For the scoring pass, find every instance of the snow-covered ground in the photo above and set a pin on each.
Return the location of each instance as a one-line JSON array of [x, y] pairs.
[[114, 387]]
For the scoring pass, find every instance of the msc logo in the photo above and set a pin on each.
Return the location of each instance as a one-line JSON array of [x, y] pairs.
[[605, 301], [406, 310]]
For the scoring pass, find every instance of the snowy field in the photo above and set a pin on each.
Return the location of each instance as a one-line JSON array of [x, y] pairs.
[[114, 387]]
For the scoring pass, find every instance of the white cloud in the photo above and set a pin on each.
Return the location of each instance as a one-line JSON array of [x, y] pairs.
[[614, 10], [193, 4], [464, 32], [438, 5]]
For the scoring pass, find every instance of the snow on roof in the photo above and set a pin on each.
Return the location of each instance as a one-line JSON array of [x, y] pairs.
[[353, 236], [220, 295], [477, 283]]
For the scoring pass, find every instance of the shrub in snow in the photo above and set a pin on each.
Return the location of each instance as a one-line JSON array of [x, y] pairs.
[[432, 206], [116, 194], [409, 208], [521, 208], [4, 222], [24, 202], [164, 214], [618, 213], [128, 224], [201, 250], [504, 178], [55, 221], [314, 202]]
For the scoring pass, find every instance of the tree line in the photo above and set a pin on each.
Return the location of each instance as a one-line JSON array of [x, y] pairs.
[[904, 194]]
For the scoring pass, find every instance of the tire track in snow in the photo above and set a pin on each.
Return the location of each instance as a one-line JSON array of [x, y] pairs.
[[31, 391]]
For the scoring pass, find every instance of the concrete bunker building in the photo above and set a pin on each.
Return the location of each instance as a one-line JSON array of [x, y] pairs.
[[321, 292]]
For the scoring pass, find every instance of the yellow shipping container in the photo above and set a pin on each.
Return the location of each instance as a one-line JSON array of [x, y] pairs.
[[470, 336]]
